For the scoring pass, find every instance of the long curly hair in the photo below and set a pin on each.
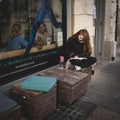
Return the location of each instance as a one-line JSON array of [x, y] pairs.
[[87, 45]]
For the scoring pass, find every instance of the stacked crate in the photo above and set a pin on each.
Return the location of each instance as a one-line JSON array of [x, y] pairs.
[[9, 109], [70, 85], [35, 105]]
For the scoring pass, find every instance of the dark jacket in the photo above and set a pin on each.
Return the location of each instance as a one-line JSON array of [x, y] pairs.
[[74, 47]]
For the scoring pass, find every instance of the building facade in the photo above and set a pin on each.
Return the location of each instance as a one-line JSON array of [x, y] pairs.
[[99, 17]]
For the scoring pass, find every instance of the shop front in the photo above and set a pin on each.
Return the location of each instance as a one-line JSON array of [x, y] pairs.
[[43, 27]]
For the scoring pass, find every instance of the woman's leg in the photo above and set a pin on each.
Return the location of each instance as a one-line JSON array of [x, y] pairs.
[[84, 63]]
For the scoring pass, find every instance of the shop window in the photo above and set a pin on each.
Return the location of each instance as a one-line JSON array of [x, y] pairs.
[[43, 28]]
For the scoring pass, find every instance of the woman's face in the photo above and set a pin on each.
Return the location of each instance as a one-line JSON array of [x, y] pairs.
[[80, 37]]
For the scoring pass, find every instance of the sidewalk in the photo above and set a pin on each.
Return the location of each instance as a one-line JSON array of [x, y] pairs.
[[104, 89], [102, 100]]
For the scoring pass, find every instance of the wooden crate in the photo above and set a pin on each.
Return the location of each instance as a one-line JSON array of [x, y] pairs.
[[35, 105], [12, 114], [87, 70], [70, 85]]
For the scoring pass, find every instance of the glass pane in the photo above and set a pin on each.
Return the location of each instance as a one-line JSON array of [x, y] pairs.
[[40, 22]]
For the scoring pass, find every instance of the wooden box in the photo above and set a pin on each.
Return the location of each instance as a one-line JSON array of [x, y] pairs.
[[12, 114], [35, 105], [87, 70], [9, 109], [70, 85]]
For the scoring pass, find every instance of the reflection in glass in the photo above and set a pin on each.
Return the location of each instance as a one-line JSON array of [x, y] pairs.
[[27, 13]]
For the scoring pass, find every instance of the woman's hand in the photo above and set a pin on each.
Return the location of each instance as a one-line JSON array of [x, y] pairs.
[[79, 58], [76, 57]]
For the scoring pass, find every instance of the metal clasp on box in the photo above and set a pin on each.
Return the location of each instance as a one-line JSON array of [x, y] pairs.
[[24, 97]]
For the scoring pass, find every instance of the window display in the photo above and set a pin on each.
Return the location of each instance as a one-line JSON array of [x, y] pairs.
[[31, 35]]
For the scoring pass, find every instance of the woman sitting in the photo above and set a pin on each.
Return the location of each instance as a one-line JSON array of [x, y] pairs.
[[14, 40], [42, 36], [78, 50]]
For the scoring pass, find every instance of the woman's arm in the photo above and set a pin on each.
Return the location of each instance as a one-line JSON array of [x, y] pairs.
[[69, 52], [23, 42]]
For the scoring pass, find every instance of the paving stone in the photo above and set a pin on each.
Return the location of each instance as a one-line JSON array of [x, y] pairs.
[[80, 110], [104, 114]]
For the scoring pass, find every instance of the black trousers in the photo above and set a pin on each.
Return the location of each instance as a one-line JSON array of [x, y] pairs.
[[84, 63]]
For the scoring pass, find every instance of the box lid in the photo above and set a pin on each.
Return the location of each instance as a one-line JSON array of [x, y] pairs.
[[38, 83]]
